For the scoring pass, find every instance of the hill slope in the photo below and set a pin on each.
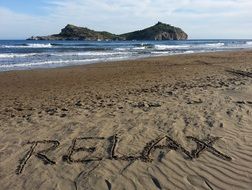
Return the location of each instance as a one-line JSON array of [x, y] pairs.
[[160, 31]]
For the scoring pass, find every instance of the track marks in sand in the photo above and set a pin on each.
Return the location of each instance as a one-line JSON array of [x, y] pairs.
[[240, 73], [199, 181]]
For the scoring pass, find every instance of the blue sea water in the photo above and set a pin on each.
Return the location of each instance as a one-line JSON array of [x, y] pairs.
[[24, 55]]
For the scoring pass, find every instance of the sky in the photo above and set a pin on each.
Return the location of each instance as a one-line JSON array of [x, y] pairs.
[[201, 19]]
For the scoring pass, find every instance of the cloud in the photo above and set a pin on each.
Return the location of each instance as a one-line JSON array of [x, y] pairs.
[[19, 26], [201, 19]]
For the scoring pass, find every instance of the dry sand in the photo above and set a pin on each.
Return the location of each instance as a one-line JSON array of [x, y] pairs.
[[151, 105]]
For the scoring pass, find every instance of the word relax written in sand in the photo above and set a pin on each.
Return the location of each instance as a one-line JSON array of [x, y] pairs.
[[165, 142]]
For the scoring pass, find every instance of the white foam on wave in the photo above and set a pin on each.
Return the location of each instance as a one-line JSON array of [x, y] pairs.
[[14, 55], [39, 45], [130, 48], [59, 62], [48, 45], [139, 48], [11, 46], [171, 52], [88, 53], [249, 42], [160, 52], [122, 49], [44, 63], [165, 47], [215, 44], [189, 51]]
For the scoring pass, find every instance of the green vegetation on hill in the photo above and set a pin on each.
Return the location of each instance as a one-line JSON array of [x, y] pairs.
[[160, 31], [81, 33]]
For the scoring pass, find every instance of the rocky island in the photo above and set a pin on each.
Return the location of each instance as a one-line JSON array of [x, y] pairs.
[[159, 31]]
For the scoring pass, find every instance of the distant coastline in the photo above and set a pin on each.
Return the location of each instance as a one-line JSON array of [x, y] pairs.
[[159, 31]]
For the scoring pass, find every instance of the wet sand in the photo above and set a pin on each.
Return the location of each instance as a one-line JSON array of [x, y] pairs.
[[178, 122]]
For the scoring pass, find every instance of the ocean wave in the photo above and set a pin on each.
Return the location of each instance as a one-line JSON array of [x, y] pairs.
[[88, 53], [14, 55], [48, 45], [122, 49], [59, 62], [189, 52], [64, 54], [139, 48], [160, 52], [73, 44], [165, 47], [40, 45], [172, 52], [249, 42], [43, 63], [215, 44]]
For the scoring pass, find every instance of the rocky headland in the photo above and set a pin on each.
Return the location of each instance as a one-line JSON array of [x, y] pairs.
[[159, 31]]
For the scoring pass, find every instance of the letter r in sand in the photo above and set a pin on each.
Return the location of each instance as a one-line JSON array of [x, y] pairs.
[[40, 154]]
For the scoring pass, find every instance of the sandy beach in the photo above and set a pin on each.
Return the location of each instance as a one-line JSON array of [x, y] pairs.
[[177, 122]]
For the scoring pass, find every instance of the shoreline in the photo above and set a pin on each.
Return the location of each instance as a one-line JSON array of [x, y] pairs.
[[125, 60], [173, 122]]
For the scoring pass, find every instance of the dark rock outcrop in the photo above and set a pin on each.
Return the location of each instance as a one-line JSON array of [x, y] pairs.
[[160, 31]]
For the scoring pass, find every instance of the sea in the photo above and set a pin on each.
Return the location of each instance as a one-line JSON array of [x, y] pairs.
[[26, 55]]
